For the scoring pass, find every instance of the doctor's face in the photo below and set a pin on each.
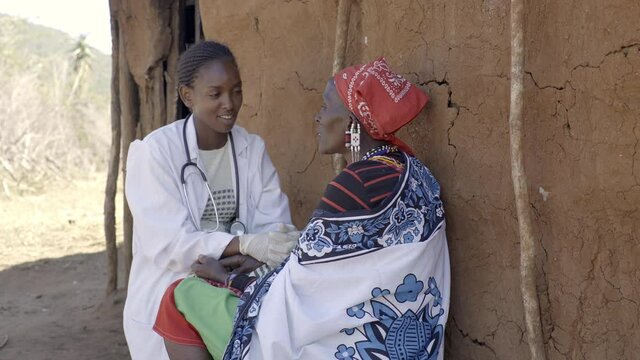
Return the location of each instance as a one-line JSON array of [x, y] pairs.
[[215, 97], [331, 122]]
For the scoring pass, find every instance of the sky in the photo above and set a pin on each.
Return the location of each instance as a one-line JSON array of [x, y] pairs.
[[92, 17]]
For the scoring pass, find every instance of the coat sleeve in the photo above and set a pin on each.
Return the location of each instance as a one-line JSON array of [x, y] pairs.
[[163, 230], [271, 205]]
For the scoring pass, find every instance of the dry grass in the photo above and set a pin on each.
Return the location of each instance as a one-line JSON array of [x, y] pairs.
[[62, 220], [46, 134]]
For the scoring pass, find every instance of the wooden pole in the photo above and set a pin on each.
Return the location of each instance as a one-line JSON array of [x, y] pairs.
[[520, 188], [114, 158], [130, 110], [171, 94], [143, 99], [342, 34]]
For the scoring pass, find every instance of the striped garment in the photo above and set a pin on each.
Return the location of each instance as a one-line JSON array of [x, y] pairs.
[[363, 184]]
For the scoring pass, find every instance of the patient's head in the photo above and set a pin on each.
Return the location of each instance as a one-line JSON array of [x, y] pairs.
[[332, 121], [372, 94]]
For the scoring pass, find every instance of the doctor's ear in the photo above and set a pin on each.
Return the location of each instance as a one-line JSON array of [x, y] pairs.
[[186, 94]]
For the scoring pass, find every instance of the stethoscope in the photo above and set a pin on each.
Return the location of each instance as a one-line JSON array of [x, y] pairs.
[[237, 227]]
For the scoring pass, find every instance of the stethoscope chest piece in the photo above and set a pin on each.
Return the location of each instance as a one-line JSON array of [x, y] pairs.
[[237, 228]]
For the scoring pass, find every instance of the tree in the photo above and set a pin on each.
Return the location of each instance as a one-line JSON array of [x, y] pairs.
[[82, 58]]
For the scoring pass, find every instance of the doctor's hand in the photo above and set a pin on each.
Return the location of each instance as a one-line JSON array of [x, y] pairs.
[[207, 267], [272, 247], [240, 264]]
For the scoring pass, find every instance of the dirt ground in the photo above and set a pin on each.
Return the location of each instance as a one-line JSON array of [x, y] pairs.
[[52, 276]]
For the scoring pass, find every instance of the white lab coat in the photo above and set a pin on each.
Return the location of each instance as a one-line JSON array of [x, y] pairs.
[[165, 240]]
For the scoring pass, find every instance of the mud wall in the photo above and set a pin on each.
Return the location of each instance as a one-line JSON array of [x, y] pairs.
[[582, 115]]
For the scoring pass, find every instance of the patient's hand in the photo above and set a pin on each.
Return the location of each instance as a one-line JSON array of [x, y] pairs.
[[209, 268], [241, 264]]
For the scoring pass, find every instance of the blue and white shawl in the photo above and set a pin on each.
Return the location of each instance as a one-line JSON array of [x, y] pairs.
[[369, 284]]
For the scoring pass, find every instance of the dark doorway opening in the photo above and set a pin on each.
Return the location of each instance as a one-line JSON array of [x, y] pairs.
[[190, 34]]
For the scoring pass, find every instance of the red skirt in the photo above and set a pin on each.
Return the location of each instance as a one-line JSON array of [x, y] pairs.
[[171, 324]]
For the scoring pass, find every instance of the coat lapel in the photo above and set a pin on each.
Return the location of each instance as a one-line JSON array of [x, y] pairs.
[[196, 187], [242, 154]]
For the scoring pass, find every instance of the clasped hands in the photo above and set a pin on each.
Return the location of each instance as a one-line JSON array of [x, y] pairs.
[[269, 248]]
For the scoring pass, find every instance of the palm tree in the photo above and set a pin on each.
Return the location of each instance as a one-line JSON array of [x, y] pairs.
[[82, 57]]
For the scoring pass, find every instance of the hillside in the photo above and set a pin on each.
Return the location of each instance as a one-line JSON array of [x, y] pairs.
[[28, 40], [55, 101]]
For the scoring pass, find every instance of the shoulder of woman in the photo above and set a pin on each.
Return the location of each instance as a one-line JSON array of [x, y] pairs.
[[361, 166], [245, 138], [366, 171], [158, 144], [172, 131], [357, 171], [165, 138], [351, 175]]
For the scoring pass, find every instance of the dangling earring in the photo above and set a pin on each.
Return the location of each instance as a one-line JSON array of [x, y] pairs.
[[354, 141], [347, 137]]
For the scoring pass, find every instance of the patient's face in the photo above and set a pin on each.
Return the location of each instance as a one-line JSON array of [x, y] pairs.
[[331, 122]]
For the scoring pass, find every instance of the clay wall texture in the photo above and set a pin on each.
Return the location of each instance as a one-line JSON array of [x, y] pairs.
[[582, 142]]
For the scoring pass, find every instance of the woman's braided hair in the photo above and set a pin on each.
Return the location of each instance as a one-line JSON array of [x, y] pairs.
[[197, 55]]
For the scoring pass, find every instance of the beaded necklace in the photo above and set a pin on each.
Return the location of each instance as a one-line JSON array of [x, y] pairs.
[[381, 154], [379, 151]]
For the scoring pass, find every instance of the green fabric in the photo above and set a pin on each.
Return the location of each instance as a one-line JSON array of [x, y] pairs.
[[210, 310]]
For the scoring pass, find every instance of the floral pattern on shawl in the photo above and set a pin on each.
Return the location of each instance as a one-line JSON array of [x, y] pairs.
[[398, 334], [412, 216]]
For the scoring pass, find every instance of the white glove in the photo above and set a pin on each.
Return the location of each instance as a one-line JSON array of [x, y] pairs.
[[272, 247]]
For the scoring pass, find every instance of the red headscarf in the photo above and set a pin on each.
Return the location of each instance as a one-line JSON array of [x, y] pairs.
[[382, 100]]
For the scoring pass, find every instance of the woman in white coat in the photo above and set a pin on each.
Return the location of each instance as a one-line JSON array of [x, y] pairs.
[[199, 186]]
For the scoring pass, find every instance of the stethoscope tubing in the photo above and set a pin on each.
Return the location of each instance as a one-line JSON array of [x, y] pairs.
[[189, 163]]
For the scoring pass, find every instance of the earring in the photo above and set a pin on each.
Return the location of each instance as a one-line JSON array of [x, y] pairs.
[[347, 137], [354, 143]]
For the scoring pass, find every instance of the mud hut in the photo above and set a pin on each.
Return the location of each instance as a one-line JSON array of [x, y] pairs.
[[581, 140]]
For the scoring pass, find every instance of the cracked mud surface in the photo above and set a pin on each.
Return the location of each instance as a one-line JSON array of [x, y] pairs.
[[582, 125]]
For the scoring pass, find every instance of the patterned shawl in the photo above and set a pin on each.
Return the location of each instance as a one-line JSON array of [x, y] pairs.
[[362, 285]]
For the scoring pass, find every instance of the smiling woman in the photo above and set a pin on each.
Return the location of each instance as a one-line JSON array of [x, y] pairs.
[[212, 90], [199, 186]]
